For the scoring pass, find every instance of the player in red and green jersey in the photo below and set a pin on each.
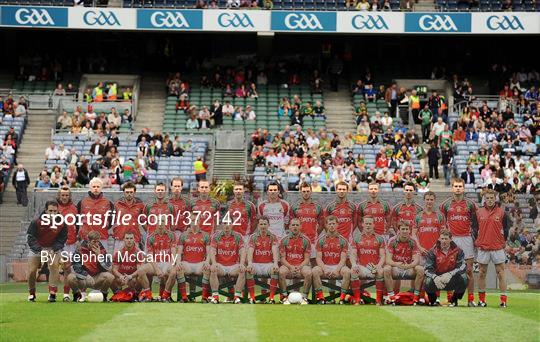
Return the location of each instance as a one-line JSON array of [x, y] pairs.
[[205, 208], [193, 251], [373, 207], [262, 259], [276, 209], [67, 207], [159, 211], [460, 216], [181, 207], [407, 210], [344, 210], [367, 255], [493, 227], [162, 245], [295, 249], [402, 260], [228, 259], [128, 205], [126, 265], [310, 215], [428, 225], [331, 260], [241, 212]]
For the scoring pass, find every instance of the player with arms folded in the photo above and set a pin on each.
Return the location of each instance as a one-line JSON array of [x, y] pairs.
[[241, 213], [276, 210], [402, 260], [227, 257], [181, 207], [128, 205], [445, 270], [310, 215], [331, 260], [67, 208], [262, 259], [41, 238], [493, 227], [94, 272], [376, 208], [460, 216], [193, 251], [295, 250], [367, 255]]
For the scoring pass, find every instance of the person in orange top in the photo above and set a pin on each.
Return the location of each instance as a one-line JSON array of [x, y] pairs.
[[459, 134], [493, 227]]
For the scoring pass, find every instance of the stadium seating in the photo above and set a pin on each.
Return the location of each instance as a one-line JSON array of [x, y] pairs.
[[265, 107]]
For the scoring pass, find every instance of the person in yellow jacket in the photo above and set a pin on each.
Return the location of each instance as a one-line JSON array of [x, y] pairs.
[[414, 101], [127, 95], [200, 169], [112, 95], [97, 94]]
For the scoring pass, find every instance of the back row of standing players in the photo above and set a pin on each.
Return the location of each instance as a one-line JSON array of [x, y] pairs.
[[457, 214]]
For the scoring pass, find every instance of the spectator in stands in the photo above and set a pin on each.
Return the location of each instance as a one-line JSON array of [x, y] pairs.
[[64, 121], [44, 183], [387, 121], [20, 181], [59, 91], [468, 176], [433, 160], [216, 113], [51, 152], [62, 153], [113, 119]]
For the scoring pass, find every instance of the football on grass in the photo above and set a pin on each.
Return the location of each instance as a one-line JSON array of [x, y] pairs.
[[295, 298]]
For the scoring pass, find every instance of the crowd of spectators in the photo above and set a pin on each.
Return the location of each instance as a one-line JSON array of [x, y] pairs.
[[12, 108], [87, 123], [523, 243], [103, 160], [107, 92], [326, 158]]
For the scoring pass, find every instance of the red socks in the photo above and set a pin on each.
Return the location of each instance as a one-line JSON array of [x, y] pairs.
[[52, 289], [481, 296], [355, 287], [379, 285], [471, 297], [504, 298], [273, 287], [251, 288], [66, 289]]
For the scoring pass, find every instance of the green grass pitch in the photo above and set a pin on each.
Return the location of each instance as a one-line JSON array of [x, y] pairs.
[[42, 321]]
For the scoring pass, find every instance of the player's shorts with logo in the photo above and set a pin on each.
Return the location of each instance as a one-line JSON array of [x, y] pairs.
[[227, 270], [400, 273], [262, 269], [192, 267]]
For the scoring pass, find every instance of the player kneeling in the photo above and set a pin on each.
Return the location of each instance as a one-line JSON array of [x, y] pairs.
[[295, 250], [91, 268], [367, 257], [402, 258], [331, 259], [228, 259], [193, 249], [445, 269], [127, 268], [262, 259]]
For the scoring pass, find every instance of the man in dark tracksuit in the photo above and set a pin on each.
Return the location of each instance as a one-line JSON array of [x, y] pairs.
[[46, 242], [445, 269]]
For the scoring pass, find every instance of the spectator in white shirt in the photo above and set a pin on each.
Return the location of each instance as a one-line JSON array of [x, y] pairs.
[[250, 114], [51, 153], [312, 140], [114, 119], [91, 115], [227, 109], [62, 152], [272, 157], [439, 126], [283, 159], [315, 170], [20, 111]]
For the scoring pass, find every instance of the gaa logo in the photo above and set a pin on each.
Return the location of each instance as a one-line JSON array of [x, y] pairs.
[[362, 22], [295, 21], [169, 20], [33, 16], [504, 23], [101, 18], [235, 20], [437, 23]]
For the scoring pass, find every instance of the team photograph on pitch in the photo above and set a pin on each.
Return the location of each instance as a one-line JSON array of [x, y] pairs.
[[304, 252]]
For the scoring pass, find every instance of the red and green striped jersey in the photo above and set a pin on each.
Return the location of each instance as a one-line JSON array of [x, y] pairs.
[[181, 207], [406, 213], [368, 248], [403, 251], [262, 247], [161, 213], [379, 211], [310, 216], [346, 216], [242, 216], [331, 248], [294, 248], [428, 228], [459, 215], [206, 209], [160, 245], [194, 246], [227, 248]]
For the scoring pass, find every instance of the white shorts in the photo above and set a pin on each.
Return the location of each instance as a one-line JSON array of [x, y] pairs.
[[227, 270], [330, 268], [192, 268], [313, 254], [400, 273], [164, 267], [365, 273], [262, 269], [497, 257], [466, 244]]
